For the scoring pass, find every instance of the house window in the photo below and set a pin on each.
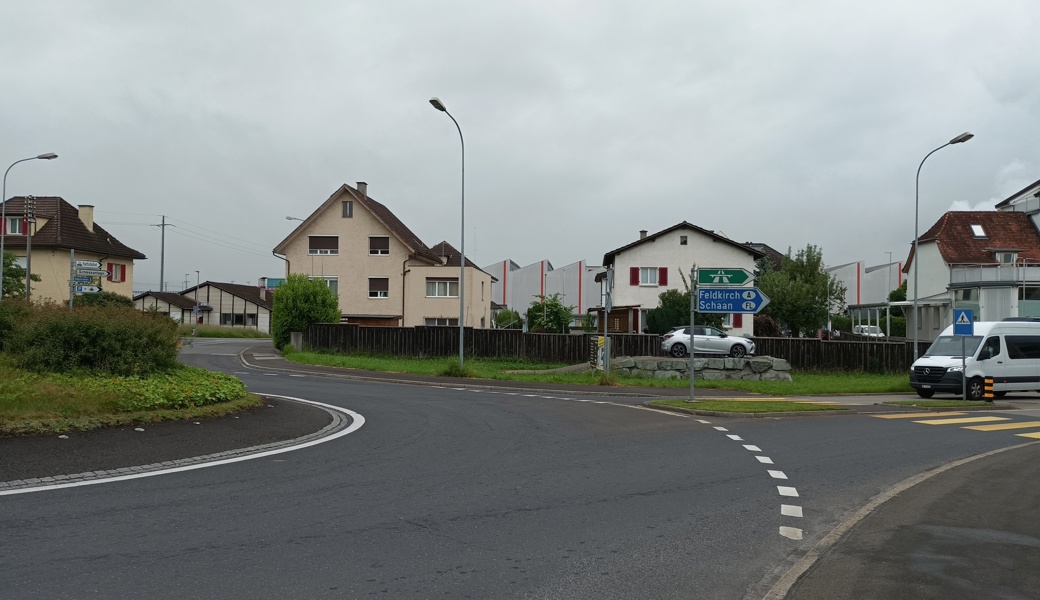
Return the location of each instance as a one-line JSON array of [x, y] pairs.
[[648, 276], [116, 272], [1006, 258], [332, 282], [379, 245], [15, 226], [378, 287], [233, 319], [441, 322], [348, 209], [682, 240], [442, 288], [323, 244]]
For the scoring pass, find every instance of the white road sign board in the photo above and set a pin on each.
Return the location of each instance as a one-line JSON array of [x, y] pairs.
[[93, 272], [87, 289], [88, 264]]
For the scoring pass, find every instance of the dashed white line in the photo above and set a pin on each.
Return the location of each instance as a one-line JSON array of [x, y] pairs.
[[764, 460], [790, 492], [735, 438], [752, 448], [777, 474], [790, 510], [720, 429], [704, 422], [791, 532]]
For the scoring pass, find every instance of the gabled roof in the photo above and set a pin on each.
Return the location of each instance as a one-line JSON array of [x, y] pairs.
[[1032, 187], [1009, 231], [64, 229], [608, 258], [171, 298], [380, 212], [452, 256], [246, 292], [776, 258]]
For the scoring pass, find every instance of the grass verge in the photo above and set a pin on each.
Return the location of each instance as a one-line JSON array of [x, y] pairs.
[[803, 384], [32, 403], [744, 406]]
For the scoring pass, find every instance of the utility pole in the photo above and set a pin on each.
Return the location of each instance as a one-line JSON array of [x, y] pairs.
[[162, 253]]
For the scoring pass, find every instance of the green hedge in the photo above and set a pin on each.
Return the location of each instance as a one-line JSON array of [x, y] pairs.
[[103, 340]]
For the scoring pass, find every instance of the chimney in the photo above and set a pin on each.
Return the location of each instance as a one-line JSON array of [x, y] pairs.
[[363, 188], [86, 214], [642, 234]]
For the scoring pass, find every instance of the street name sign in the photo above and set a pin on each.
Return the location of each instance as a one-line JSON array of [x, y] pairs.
[[724, 276], [92, 272], [731, 300], [79, 279], [88, 264], [87, 289]]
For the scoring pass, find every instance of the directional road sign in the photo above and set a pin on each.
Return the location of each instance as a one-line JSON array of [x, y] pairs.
[[79, 279], [962, 322], [724, 276], [93, 272], [87, 289], [731, 300], [88, 264]]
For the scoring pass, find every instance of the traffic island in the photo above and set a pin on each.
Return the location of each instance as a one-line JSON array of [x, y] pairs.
[[758, 368]]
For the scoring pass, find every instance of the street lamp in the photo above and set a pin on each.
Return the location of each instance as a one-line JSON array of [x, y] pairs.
[[917, 201], [3, 212], [462, 245]]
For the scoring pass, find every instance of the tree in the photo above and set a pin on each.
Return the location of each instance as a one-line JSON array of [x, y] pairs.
[[508, 319], [299, 302], [549, 315], [14, 277], [801, 294], [898, 295]]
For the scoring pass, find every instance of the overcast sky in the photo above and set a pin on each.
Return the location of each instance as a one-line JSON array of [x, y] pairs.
[[786, 123]]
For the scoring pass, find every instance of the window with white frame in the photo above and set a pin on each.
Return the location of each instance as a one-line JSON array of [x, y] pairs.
[[648, 276], [441, 322], [14, 226], [348, 209], [442, 288], [323, 244], [332, 282], [379, 245], [378, 287], [1006, 258]]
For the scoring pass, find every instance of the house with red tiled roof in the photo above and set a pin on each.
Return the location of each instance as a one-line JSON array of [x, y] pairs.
[[54, 234], [382, 272], [987, 261], [214, 303]]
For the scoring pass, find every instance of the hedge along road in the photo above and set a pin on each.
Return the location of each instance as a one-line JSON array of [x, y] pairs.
[[461, 492]]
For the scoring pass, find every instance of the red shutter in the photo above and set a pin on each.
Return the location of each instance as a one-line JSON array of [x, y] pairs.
[[25, 226], [122, 272], [662, 276], [738, 319], [633, 276], [109, 269]]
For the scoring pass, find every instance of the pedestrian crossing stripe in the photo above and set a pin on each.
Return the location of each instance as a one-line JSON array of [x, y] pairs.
[[1004, 426], [919, 415], [962, 420], [1034, 435]]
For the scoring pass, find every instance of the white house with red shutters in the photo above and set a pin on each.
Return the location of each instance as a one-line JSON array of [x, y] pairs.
[[660, 261]]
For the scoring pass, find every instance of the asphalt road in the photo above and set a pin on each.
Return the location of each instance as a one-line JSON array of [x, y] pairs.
[[475, 494]]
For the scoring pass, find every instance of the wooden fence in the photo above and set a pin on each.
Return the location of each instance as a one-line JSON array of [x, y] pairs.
[[423, 342]]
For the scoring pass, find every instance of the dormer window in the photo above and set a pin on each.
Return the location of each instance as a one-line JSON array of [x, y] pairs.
[[978, 232], [14, 226], [1006, 258]]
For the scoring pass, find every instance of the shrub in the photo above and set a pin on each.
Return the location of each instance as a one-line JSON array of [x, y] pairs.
[[11, 314], [103, 340], [299, 302], [104, 299], [182, 387]]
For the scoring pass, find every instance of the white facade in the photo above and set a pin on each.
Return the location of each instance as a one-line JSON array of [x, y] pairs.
[[868, 285], [517, 287]]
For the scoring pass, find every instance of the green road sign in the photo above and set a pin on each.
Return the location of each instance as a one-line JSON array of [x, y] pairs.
[[724, 276]]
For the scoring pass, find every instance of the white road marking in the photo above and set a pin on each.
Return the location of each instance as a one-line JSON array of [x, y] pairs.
[[721, 429], [703, 421], [270, 374], [764, 460], [294, 375], [791, 532], [736, 438], [789, 510], [790, 492], [752, 448], [777, 474], [356, 422]]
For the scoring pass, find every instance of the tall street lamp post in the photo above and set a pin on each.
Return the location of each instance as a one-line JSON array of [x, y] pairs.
[[917, 202], [462, 243], [3, 211]]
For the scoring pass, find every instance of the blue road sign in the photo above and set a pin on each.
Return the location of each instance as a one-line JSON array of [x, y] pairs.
[[731, 300], [963, 324], [79, 279]]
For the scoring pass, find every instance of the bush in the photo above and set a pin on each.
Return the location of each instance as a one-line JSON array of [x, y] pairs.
[[299, 302], [182, 387], [102, 340], [103, 299], [11, 314]]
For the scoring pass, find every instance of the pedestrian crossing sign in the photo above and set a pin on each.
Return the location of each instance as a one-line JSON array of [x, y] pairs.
[[963, 323]]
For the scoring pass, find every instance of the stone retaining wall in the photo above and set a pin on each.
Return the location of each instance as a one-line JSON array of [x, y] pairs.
[[654, 367]]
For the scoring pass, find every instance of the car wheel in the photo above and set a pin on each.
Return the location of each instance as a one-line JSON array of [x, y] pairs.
[[738, 351], [678, 350], [976, 390], [926, 393]]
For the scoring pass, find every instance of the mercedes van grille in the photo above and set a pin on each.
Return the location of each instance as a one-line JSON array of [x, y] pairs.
[[929, 374]]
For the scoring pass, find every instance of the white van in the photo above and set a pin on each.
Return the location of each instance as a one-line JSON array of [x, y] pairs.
[[1007, 351]]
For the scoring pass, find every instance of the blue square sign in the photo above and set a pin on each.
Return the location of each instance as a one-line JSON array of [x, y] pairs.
[[963, 324]]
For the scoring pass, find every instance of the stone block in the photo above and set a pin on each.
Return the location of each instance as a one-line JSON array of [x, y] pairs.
[[715, 363], [625, 362], [776, 376], [733, 363], [780, 364], [647, 363], [760, 365], [667, 375]]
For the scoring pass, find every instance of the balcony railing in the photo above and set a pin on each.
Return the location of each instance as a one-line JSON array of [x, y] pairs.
[[1027, 273]]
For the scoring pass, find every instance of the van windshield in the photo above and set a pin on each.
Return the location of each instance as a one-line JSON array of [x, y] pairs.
[[950, 345]]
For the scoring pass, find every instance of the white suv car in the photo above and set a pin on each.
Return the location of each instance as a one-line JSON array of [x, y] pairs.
[[706, 340], [868, 331]]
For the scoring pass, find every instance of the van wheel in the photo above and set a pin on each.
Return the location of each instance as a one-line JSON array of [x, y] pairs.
[[975, 389], [926, 393]]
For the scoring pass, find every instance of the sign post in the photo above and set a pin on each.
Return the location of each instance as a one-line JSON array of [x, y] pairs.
[[693, 312], [963, 326], [724, 276]]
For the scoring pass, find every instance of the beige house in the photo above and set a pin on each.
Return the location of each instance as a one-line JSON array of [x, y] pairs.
[[213, 303], [383, 273], [60, 234]]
